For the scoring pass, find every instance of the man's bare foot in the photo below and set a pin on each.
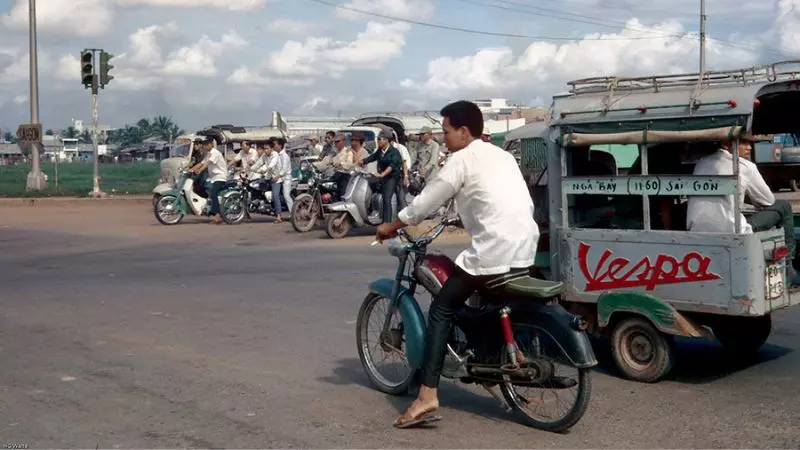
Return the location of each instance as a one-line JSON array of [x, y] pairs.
[[426, 403]]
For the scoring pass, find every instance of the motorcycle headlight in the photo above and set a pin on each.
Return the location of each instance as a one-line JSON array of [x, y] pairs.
[[304, 166]]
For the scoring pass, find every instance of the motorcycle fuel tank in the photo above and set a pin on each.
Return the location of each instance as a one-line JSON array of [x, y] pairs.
[[433, 271]]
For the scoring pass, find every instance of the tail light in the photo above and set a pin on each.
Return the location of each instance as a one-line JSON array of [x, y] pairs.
[[326, 197], [780, 253]]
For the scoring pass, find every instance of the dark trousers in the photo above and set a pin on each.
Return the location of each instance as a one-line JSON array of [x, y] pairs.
[[779, 214], [401, 196], [276, 197], [451, 298], [213, 194], [388, 187], [341, 179]]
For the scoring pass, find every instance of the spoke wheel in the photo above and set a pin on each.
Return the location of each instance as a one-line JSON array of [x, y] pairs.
[[566, 389], [167, 210], [376, 347]]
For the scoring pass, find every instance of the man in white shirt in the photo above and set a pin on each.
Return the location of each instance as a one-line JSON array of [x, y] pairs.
[[402, 187], [716, 213], [273, 171], [247, 155], [286, 172], [497, 212], [217, 175]]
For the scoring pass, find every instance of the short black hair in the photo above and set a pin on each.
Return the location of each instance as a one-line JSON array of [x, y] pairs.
[[280, 141], [271, 141], [330, 133], [464, 114]]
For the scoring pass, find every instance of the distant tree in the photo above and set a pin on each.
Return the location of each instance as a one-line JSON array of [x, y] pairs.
[[10, 138], [70, 133], [49, 132]]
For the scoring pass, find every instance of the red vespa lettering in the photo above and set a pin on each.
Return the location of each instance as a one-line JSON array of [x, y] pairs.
[[619, 273]]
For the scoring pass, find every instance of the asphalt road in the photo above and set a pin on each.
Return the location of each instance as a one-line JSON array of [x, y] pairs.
[[120, 333]]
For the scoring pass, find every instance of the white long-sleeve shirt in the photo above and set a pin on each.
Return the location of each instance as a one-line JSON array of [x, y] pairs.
[[273, 168], [493, 202], [716, 213], [286, 166]]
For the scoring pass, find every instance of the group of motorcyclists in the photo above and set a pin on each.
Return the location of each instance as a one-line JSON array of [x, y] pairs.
[[270, 161]]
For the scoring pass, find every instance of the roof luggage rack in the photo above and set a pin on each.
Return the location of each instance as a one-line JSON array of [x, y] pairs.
[[783, 70]]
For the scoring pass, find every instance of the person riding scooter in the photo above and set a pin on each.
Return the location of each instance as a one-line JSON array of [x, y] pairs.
[[390, 171]]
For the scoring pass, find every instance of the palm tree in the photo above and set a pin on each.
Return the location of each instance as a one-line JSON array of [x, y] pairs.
[[164, 128], [85, 137], [9, 138], [70, 133]]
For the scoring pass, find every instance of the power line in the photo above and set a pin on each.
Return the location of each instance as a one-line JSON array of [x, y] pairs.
[[485, 33], [608, 24]]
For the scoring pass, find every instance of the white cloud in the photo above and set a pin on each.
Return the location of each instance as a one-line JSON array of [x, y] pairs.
[[68, 68], [401, 9], [543, 68], [787, 27], [19, 69], [233, 5], [246, 77], [199, 59], [320, 56], [83, 18], [292, 27]]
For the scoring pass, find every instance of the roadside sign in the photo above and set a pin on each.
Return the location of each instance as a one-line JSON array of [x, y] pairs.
[[29, 133]]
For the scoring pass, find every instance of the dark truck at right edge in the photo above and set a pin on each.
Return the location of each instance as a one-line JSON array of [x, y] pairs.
[[778, 159]]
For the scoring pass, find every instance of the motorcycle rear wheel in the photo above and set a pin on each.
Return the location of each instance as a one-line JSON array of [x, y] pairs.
[[364, 322], [566, 421], [304, 213]]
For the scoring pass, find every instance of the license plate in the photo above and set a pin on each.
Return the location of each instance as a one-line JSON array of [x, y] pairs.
[[301, 186], [775, 281]]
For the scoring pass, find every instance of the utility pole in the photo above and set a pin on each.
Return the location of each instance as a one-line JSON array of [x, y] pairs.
[[36, 180], [702, 38]]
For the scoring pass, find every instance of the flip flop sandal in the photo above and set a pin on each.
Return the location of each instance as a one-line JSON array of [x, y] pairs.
[[419, 422]]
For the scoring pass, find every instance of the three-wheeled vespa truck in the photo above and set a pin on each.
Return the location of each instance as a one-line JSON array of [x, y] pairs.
[[634, 271]]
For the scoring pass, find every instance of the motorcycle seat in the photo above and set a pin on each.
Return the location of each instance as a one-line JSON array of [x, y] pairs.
[[536, 288], [522, 284]]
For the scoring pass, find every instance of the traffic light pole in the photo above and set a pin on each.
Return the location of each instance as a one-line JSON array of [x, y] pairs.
[[36, 181], [96, 193]]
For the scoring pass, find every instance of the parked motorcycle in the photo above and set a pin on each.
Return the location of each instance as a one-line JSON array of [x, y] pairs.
[[513, 334], [247, 196], [312, 205], [175, 201], [359, 207]]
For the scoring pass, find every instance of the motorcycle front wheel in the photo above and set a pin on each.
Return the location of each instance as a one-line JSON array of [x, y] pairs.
[[376, 347], [337, 225], [304, 213], [167, 210], [233, 209], [529, 404]]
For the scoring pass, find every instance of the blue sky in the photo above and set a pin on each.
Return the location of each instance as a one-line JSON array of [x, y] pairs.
[[179, 57]]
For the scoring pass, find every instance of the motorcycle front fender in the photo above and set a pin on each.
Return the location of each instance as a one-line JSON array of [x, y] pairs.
[[349, 208], [558, 334], [413, 319], [163, 188]]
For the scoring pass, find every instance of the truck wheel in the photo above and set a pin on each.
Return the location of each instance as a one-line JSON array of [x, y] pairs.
[[743, 335], [640, 351]]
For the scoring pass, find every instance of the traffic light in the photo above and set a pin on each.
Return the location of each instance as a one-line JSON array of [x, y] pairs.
[[104, 68], [87, 73]]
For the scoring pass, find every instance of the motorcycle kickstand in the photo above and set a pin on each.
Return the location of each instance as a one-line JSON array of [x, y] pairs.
[[503, 404]]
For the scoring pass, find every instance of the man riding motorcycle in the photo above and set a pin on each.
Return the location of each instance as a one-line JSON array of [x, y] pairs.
[[497, 212], [341, 162]]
